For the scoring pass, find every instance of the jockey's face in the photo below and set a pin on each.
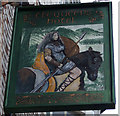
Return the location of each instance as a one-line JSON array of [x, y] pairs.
[[55, 36]]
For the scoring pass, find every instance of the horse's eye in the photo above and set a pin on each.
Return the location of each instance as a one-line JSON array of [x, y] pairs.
[[95, 59]]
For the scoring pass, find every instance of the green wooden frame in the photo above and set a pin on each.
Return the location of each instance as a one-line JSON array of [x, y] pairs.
[[63, 101]]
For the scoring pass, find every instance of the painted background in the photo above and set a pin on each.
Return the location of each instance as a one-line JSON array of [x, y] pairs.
[[31, 37]]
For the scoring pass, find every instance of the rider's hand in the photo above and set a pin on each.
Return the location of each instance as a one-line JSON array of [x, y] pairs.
[[48, 58], [60, 65]]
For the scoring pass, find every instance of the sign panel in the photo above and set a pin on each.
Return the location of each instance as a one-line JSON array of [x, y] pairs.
[[61, 59]]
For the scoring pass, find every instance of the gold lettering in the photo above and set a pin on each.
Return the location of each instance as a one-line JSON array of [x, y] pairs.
[[56, 14], [49, 21]]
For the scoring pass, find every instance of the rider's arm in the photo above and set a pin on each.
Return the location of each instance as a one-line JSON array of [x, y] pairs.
[[49, 58]]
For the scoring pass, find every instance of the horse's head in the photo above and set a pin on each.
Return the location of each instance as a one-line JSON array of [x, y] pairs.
[[94, 62]]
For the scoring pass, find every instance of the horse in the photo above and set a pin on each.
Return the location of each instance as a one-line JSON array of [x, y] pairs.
[[89, 61]]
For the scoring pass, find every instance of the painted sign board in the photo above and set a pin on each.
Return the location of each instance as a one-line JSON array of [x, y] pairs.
[[61, 59]]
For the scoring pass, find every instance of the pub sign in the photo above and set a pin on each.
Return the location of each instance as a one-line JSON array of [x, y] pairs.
[[61, 59]]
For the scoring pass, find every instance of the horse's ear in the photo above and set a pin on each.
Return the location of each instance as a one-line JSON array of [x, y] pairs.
[[90, 49]]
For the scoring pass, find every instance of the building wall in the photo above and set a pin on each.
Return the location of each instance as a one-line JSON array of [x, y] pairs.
[[6, 21], [1, 77]]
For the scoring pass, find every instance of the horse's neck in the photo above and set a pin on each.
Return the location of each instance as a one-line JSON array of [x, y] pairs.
[[81, 59], [83, 56]]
